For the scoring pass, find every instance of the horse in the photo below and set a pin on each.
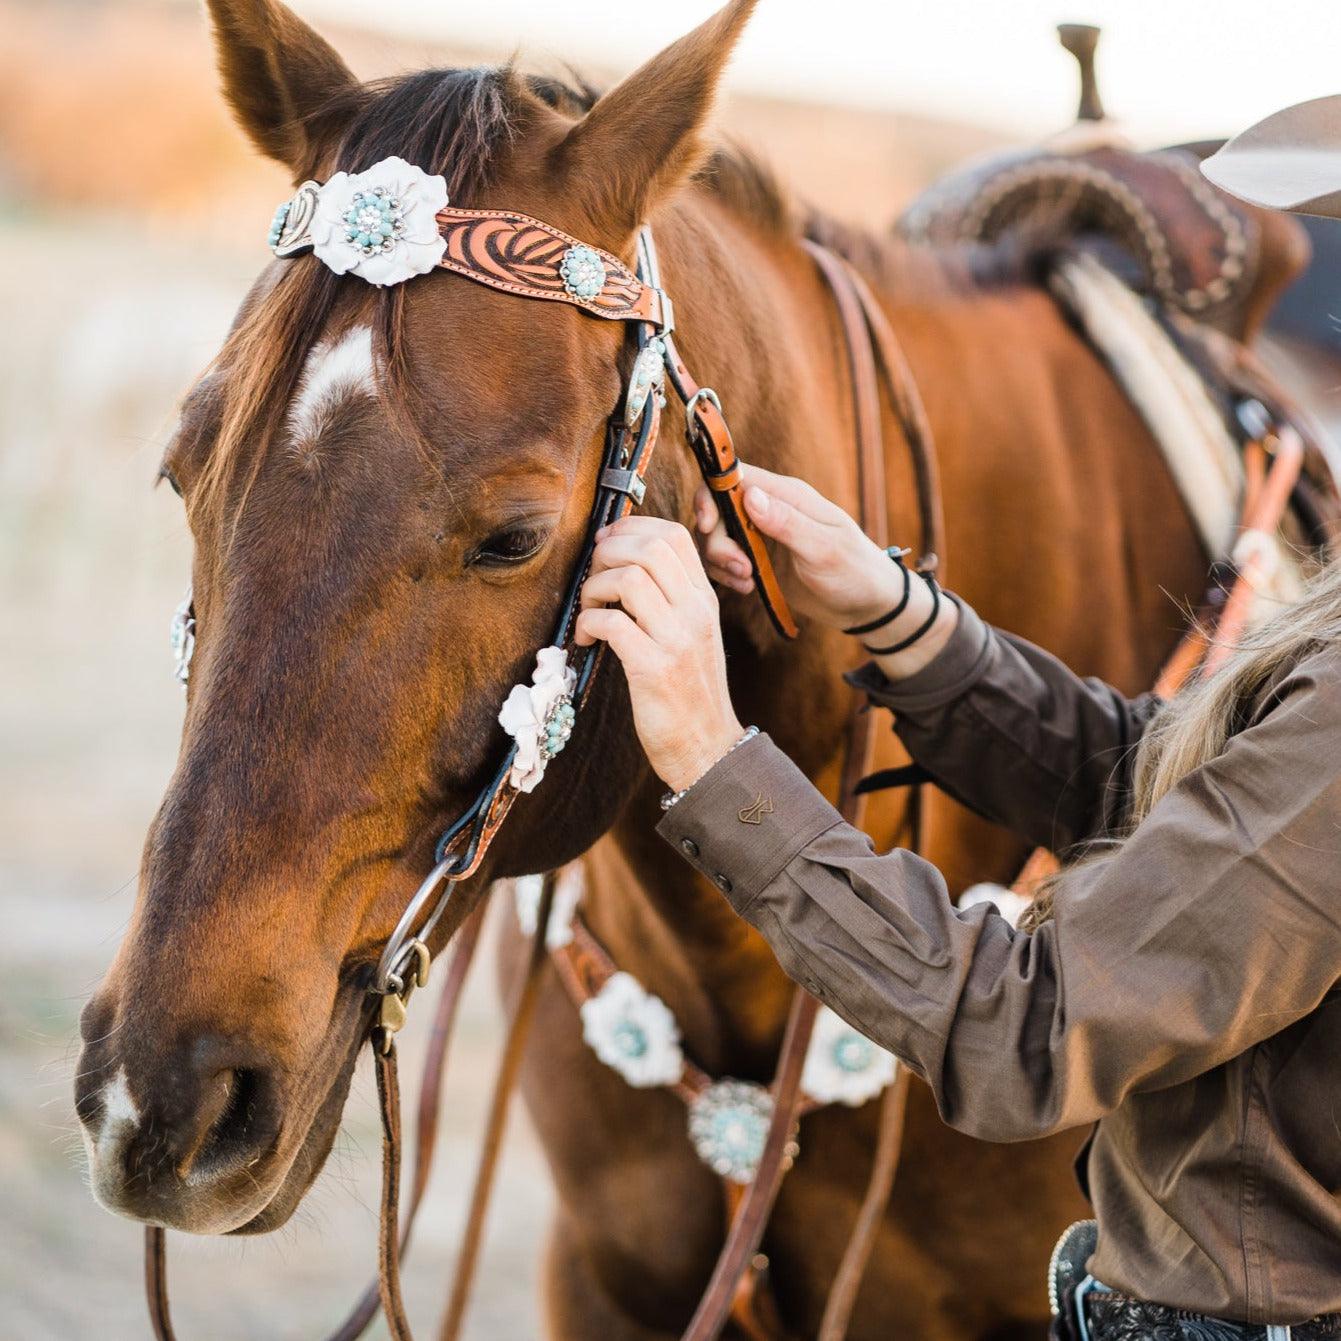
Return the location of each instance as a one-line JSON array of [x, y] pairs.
[[387, 493]]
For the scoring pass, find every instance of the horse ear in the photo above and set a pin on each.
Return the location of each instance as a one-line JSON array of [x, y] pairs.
[[645, 136], [277, 75]]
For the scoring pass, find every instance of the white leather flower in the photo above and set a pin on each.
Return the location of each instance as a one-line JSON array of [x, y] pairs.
[[633, 1032], [842, 1065], [567, 895], [380, 225], [1009, 904], [539, 716]]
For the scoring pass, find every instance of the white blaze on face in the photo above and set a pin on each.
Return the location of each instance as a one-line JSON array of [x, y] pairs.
[[118, 1121], [337, 370], [118, 1108]]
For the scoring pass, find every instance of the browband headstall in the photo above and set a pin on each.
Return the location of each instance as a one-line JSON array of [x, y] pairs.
[[393, 222]]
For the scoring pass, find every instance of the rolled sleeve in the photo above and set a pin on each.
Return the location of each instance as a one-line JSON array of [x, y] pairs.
[[746, 819]]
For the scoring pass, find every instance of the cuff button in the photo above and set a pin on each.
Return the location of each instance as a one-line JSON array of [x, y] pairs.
[[689, 847], [722, 883]]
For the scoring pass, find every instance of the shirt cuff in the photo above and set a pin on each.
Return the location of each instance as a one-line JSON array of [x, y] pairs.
[[950, 674], [746, 818]]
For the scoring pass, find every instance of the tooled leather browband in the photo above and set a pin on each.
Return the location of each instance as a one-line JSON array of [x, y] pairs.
[[520, 255]]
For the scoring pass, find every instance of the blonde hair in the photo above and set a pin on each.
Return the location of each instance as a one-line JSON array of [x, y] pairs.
[[1196, 726]]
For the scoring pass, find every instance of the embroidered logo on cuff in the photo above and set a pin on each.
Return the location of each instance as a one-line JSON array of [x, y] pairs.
[[754, 812]]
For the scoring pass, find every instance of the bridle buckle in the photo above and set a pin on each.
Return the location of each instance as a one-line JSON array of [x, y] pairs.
[[392, 1010], [627, 482]]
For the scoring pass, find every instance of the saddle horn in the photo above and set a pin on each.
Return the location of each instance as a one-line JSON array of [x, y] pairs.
[[1082, 40]]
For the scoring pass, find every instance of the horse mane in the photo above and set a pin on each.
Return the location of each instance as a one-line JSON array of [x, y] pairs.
[[460, 123]]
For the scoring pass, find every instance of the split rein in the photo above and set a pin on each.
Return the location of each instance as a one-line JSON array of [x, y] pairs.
[[516, 254]]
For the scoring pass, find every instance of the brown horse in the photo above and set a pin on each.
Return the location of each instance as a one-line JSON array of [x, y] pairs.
[[387, 494]]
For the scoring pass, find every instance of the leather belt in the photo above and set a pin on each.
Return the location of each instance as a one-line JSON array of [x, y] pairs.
[[1118, 1317]]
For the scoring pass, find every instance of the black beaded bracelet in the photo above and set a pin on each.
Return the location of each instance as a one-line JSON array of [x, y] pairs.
[[922, 631], [897, 555]]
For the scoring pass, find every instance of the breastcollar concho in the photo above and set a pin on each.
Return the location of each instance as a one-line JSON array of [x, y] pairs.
[[376, 225]]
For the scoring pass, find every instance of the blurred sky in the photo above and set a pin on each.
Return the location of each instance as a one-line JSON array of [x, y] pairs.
[[1171, 68]]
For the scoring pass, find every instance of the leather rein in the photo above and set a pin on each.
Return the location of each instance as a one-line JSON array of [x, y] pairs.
[[517, 254]]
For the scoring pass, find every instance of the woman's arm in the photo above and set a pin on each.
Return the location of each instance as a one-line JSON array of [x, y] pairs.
[[1216, 925], [997, 722], [1013, 733]]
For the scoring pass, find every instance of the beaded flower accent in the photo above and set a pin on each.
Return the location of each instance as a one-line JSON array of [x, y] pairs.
[[539, 716], [633, 1032], [728, 1126], [842, 1065], [182, 632], [567, 895], [380, 225], [582, 271]]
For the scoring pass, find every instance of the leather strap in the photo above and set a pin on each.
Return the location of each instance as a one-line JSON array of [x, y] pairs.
[[866, 328], [728, 1294], [520, 255], [584, 966], [751, 1219], [709, 438], [388, 1234], [430, 1100], [523, 1011], [861, 1243], [156, 1283]]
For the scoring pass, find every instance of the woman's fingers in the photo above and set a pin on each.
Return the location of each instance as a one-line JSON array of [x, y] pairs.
[[664, 548], [626, 640], [706, 517], [724, 559], [787, 524], [806, 499], [635, 590]]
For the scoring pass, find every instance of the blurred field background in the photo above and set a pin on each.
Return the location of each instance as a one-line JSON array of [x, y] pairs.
[[132, 217]]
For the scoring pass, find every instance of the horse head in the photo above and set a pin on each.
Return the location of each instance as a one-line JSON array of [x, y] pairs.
[[388, 492]]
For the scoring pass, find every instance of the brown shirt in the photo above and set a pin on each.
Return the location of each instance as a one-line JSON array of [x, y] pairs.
[[1181, 997]]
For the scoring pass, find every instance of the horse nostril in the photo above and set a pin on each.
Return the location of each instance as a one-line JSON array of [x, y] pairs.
[[234, 1124]]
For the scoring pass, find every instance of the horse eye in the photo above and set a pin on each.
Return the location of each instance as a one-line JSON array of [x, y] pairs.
[[511, 546], [166, 474]]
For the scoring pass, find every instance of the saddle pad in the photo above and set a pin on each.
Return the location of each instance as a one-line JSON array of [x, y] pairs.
[[1172, 399]]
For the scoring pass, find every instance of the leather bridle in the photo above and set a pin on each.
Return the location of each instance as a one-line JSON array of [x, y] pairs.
[[520, 255]]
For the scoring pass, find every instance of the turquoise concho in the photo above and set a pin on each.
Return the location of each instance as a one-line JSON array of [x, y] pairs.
[[728, 1126], [582, 271]]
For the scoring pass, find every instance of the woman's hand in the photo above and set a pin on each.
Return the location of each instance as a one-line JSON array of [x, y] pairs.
[[834, 572], [830, 569], [650, 600]]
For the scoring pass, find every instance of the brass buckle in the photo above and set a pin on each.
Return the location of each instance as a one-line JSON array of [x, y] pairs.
[[392, 1009]]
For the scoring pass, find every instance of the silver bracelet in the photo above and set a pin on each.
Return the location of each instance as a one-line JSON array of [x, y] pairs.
[[671, 798]]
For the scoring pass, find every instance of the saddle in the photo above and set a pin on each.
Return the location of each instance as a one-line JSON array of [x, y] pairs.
[[1151, 217]]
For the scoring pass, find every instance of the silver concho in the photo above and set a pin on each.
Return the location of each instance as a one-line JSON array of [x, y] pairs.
[[582, 271], [290, 228], [728, 1125], [182, 632], [648, 375]]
